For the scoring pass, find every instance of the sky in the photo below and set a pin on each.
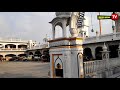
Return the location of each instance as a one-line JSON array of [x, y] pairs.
[[35, 25]]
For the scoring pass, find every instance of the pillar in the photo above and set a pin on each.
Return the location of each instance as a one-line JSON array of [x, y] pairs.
[[64, 28], [105, 57], [81, 69], [53, 32], [16, 46], [3, 46], [93, 52]]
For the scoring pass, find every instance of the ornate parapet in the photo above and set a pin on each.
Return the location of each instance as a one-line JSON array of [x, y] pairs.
[[102, 38], [63, 14], [65, 42]]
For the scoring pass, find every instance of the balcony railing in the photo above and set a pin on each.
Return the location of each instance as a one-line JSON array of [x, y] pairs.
[[99, 66], [16, 49], [12, 40]]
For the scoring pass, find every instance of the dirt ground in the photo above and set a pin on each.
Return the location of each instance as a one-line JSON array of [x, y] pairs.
[[24, 70]]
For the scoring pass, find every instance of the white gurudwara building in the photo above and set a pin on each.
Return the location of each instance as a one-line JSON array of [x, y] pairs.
[[14, 47], [79, 56]]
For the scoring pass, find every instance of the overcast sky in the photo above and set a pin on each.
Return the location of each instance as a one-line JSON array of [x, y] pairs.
[[35, 26]]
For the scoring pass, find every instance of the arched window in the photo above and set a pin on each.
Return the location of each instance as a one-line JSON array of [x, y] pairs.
[[10, 55], [98, 53], [59, 67], [87, 54], [113, 51], [30, 53], [58, 31]]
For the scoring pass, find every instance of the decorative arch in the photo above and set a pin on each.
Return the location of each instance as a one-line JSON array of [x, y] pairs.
[[59, 22], [1, 45], [21, 55], [10, 55], [87, 54], [30, 53], [10, 46], [58, 61], [98, 53], [22, 46], [38, 53], [1, 55], [58, 67], [113, 51], [62, 22], [58, 31]]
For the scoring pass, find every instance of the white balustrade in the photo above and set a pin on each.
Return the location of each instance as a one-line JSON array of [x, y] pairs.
[[102, 38], [91, 67]]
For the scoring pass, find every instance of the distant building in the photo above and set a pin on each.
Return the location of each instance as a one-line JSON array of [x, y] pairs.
[[14, 47]]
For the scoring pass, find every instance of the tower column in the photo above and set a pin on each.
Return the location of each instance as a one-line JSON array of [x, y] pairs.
[[16, 46], [53, 32], [105, 57], [64, 28]]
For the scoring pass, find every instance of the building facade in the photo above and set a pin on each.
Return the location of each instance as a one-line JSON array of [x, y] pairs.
[[14, 47]]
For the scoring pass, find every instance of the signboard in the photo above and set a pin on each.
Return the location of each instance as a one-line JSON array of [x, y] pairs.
[[113, 17]]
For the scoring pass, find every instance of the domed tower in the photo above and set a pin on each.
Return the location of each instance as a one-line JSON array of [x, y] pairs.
[[62, 20], [66, 60]]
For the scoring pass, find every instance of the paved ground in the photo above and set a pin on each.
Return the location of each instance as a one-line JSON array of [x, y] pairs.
[[24, 70]]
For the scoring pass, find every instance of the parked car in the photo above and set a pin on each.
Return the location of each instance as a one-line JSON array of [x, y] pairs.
[[24, 58], [30, 57], [14, 58], [36, 58]]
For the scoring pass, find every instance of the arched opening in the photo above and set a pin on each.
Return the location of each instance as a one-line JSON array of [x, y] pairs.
[[22, 46], [30, 53], [38, 53], [58, 67], [22, 55], [1, 46], [87, 54], [10, 46], [10, 55], [46, 56], [58, 31], [1, 57], [98, 53], [113, 51]]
